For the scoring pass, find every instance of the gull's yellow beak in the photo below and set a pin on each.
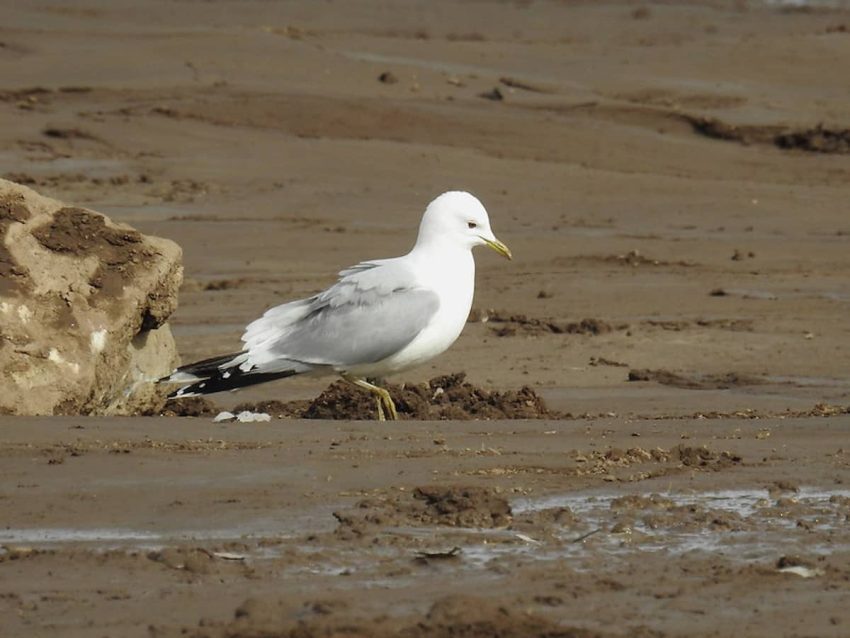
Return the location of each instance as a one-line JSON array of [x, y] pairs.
[[499, 247]]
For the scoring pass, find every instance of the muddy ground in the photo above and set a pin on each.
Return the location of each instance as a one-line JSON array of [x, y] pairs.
[[601, 527], [673, 181]]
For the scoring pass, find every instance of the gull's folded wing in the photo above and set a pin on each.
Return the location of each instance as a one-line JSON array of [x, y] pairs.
[[372, 312]]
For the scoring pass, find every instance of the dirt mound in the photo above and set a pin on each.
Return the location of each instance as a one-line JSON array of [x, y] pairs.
[[452, 506], [190, 406], [444, 397]]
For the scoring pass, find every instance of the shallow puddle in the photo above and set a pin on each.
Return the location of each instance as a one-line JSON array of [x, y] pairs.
[[589, 529], [107, 538], [740, 524]]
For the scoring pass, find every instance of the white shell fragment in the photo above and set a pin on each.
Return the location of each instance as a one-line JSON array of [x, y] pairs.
[[800, 570], [246, 416], [252, 417]]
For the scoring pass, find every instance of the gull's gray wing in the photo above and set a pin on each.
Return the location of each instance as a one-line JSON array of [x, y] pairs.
[[368, 328], [372, 312]]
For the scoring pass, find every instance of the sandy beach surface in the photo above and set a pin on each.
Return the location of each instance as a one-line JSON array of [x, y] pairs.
[[673, 181]]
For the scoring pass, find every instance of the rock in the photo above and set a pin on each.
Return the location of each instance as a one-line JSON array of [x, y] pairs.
[[83, 309], [495, 95]]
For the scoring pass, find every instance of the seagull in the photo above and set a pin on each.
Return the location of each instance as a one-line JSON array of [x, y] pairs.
[[381, 316]]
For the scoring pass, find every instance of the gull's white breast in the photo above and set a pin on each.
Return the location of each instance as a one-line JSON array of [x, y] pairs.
[[452, 277]]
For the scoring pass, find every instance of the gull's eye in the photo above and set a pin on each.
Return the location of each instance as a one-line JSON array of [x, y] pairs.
[[472, 224]]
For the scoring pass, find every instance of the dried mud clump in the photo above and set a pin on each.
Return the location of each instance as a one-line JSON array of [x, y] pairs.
[[656, 512], [677, 325], [702, 457], [818, 410], [464, 506], [694, 382], [341, 400], [818, 139], [642, 463], [824, 409], [635, 258], [442, 398], [719, 130], [77, 232], [68, 133], [510, 325], [451, 506]]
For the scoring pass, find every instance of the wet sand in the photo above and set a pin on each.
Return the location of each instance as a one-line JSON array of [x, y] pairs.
[[672, 179], [613, 527]]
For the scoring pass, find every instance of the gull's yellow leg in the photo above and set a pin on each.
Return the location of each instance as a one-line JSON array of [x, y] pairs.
[[382, 397], [380, 406], [388, 404]]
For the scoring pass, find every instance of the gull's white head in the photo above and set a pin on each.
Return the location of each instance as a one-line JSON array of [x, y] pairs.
[[459, 218]]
